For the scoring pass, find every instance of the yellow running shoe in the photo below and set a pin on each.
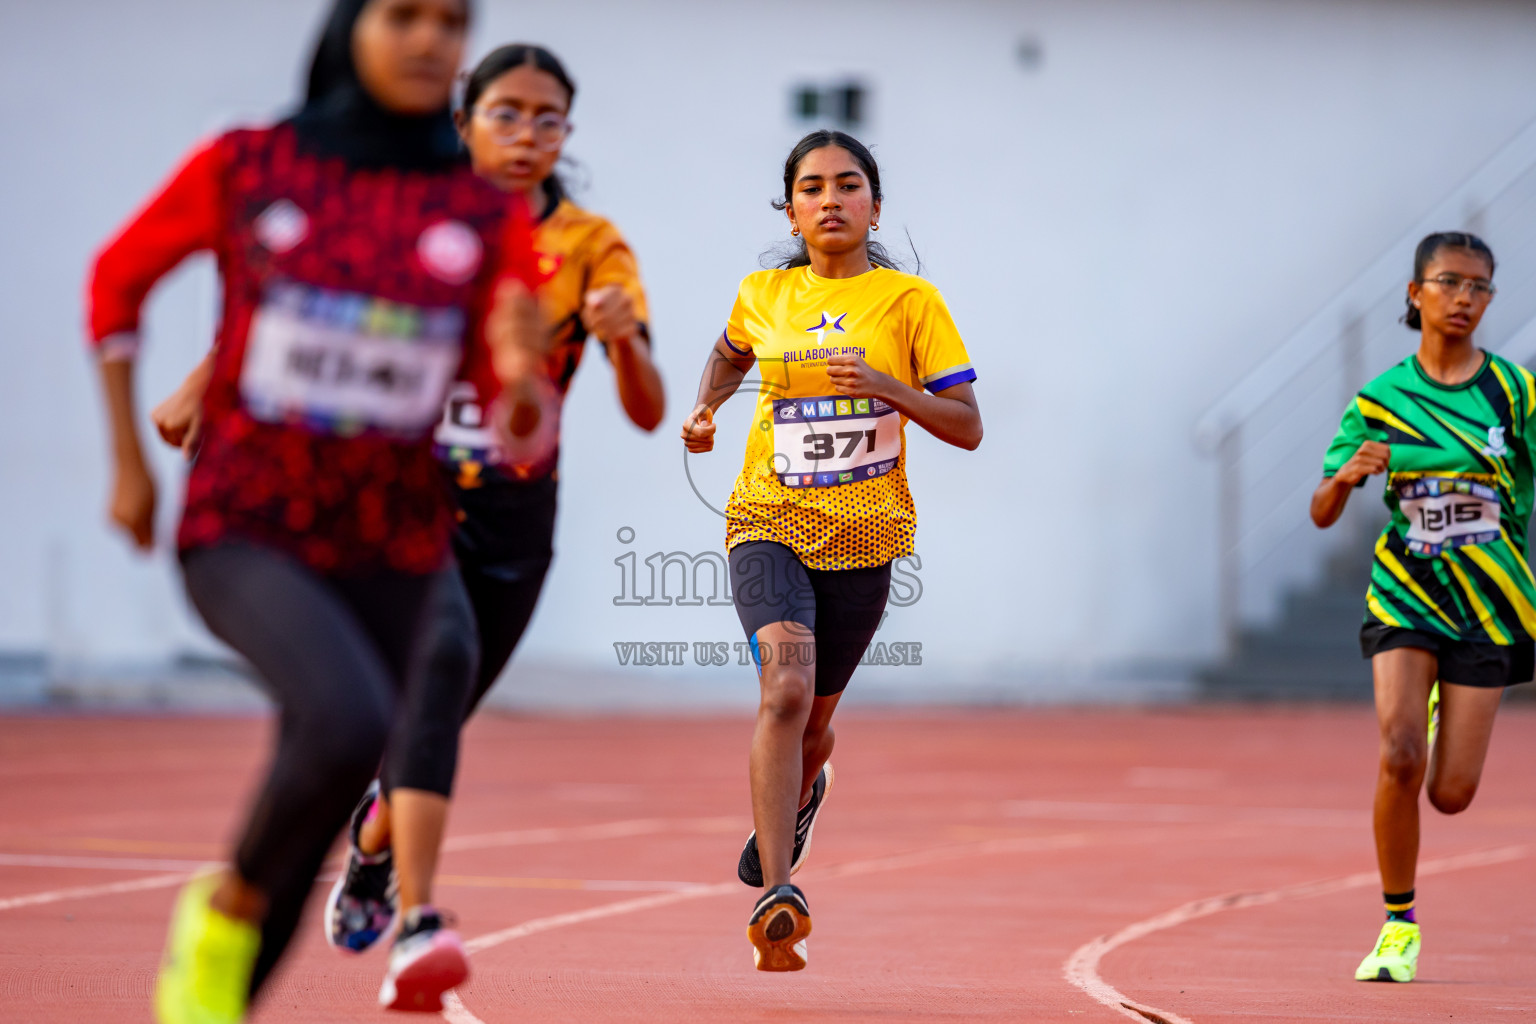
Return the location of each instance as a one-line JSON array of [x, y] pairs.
[[205, 974], [1396, 956], [1434, 713]]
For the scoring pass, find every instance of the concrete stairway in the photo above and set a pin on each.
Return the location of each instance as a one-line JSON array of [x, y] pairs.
[[1312, 650]]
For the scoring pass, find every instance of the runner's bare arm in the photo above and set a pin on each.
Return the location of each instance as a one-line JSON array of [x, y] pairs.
[[723, 373], [182, 218], [608, 313], [132, 505], [951, 415], [1332, 494]]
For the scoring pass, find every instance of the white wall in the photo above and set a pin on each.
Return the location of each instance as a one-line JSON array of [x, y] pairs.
[[1120, 234]]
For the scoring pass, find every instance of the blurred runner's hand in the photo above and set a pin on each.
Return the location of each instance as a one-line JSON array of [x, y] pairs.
[[133, 502], [608, 314], [179, 419]]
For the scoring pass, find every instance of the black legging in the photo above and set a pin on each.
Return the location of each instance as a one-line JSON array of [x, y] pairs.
[[333, 653], [474, 619], [502, 598], [503, 545], [477, 615]]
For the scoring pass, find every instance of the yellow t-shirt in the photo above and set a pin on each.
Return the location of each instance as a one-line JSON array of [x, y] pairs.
[[826, 474]]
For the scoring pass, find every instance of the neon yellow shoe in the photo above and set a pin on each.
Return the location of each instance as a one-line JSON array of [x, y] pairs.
[[1396, 956], [1434, 713], [205, 974]]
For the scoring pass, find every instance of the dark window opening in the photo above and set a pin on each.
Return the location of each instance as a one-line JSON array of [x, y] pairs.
[[839, 105]]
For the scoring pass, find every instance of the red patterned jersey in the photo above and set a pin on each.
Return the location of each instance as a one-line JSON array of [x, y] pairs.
[[351, 298]]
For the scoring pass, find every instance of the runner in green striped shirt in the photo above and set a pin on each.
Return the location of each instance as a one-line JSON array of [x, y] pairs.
[[1452, 597], [1452, 560]]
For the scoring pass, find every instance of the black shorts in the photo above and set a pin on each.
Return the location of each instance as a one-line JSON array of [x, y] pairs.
[[838, 610], [1463, 662]]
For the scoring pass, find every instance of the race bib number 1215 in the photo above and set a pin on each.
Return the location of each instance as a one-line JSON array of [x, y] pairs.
[[1444, 513]]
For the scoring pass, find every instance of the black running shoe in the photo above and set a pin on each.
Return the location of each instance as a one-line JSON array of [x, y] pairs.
[[365, 900], [780, 922], [750, 867]]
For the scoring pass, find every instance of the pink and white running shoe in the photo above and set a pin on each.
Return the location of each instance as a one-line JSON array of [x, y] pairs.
[[426, 960]]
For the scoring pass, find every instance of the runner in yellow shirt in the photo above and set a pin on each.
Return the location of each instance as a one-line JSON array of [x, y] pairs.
[[845, 345]]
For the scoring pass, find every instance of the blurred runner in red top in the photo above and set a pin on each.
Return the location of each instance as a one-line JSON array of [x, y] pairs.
[[358, 253]]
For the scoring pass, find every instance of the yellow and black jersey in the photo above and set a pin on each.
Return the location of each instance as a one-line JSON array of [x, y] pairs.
[[825, 474]]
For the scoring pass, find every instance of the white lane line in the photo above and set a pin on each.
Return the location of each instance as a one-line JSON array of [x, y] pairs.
[[40, 860], [1068, 810], [1082, 967], [572, 884], [86, 892], [522, 837], [1022, 844], [455, 1012], [544, 924], [605, 830]]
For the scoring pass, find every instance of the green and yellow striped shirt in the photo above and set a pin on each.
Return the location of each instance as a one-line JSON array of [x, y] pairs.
[[1452, 560]]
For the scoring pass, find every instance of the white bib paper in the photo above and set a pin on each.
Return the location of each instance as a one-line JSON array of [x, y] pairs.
[[463, 434], [828, 441], [344, 363], [1445, 513]]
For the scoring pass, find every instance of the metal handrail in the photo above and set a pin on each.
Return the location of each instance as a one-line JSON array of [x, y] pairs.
[[1316, 335], [1293, 397]]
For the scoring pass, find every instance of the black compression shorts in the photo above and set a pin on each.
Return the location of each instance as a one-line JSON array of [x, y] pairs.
[[1463, 662], [838, 610]]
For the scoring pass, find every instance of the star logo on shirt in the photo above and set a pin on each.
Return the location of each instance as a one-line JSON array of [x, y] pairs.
[[828, 323]]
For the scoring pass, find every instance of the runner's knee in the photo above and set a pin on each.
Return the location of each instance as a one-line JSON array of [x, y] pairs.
[[352, 745], [787, 691], [1403, 754], [452, 663], [1452, 796]]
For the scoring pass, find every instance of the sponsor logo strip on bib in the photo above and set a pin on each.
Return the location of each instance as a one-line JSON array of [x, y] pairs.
[[833, 440]]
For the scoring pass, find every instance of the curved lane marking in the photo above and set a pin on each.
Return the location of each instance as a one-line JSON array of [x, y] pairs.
[[455, 1012], [1082, 967]]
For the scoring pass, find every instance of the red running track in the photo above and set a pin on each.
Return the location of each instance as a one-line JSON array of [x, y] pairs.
[[1199, 865]]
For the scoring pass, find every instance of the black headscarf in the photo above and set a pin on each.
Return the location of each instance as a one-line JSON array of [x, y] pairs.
[[341, 119]]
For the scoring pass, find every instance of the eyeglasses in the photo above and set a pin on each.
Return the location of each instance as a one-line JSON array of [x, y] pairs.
[[507, 123], [1480, 288]]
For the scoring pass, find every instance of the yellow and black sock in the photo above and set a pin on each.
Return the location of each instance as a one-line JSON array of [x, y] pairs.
[[1399, 906]]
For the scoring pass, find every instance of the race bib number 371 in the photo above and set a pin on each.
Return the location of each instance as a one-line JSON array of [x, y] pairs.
[[825, 442], [345, 363], [1445, 513]]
